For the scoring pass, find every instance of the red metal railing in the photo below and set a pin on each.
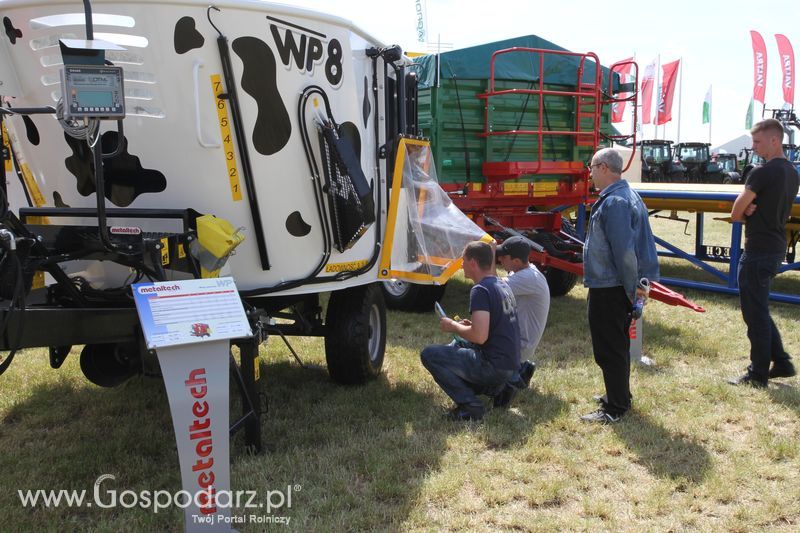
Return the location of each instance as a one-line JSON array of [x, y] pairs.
[[632, 97], [589, 101], [587, 95]]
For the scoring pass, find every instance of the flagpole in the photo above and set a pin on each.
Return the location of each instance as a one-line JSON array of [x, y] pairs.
[[710, 110], [680, 95], [657, 92]]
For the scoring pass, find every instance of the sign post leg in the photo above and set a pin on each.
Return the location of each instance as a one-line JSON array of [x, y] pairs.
[[196, 378]]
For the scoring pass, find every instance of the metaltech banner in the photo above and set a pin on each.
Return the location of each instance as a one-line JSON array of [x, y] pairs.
[[759, 67], [196, 379]]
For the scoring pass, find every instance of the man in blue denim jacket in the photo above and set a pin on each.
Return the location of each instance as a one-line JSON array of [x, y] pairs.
[[618, 252]]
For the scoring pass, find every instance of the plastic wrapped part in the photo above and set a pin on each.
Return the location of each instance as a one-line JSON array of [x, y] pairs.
[[428, 232], [216, 240]]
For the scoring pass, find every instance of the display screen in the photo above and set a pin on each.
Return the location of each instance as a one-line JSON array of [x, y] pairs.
[[95, 98]]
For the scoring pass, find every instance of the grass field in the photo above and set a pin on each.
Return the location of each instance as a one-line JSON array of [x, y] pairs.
[[694, 454]]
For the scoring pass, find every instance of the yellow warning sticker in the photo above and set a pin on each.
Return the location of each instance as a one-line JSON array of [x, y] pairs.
[[227, 138], [7, 144], [345, 267], [181, 252], [164, 251], [515, 188]]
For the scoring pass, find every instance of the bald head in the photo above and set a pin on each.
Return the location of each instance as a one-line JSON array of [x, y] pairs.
[[606, 167]]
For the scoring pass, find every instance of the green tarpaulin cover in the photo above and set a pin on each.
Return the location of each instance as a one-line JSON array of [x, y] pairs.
[[474, 63]]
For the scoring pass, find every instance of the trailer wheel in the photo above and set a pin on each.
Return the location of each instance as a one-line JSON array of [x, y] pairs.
[[405, 296], [355, 341], [560, 282]]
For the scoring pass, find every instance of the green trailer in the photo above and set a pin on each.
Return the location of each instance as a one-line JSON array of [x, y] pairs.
[[513, 125], [454, 115]]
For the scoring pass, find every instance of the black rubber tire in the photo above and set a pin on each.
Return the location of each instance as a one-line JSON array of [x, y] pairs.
[[560, 282], [411, 297], [109, 365], [355, 341]]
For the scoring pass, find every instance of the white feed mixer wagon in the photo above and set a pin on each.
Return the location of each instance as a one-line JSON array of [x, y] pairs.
[[161, 141]]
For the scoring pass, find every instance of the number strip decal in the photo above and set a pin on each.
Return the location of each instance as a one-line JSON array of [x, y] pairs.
[[227, 139]]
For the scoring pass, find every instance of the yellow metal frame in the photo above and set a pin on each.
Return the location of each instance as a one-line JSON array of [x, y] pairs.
[[386, 271]]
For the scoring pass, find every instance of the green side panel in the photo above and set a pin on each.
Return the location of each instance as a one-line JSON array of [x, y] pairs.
[[452, 116]]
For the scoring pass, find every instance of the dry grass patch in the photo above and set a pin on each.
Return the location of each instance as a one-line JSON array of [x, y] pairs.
[[694, 454]]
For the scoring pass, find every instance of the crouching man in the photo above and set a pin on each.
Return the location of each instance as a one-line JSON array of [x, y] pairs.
[[488, 356]]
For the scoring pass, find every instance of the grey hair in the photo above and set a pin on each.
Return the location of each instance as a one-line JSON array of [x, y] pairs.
[[611, 158]]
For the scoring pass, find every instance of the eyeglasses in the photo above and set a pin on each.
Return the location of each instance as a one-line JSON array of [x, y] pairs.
[[590, 167]]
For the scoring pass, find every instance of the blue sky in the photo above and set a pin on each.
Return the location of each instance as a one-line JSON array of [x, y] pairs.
[[711, 37]]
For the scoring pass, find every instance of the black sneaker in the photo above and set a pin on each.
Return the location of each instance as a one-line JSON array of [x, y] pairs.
[[784, 369], [465, 413], [602, 400], [505, 396], [601, 416], [526, 370], [748, 379]]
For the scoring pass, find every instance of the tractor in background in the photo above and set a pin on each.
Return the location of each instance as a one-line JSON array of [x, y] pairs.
[[748, 160], [697, 160], [658, 164], [729, 165]]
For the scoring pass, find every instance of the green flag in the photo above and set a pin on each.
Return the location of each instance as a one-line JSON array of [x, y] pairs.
[[707, 107], [748, 122]]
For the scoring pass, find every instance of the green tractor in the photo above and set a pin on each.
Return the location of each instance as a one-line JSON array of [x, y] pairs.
[[729, 165], [748, 160], [658, 165], [699, 167]]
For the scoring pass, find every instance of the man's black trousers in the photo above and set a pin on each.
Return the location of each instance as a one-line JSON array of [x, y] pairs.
[[609, 323]]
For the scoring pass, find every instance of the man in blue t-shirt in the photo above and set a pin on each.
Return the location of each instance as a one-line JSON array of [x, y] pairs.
[[487, 354]]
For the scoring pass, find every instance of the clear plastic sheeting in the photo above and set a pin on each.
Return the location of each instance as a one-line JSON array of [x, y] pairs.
[[426, 233]]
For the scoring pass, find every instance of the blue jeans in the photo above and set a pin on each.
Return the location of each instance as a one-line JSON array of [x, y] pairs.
[[463, 373], [756, 270]]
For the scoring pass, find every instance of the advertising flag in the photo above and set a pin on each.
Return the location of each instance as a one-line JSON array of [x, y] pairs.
[[748, 121], [667, 92], [618, 108], [422, 24], [759, 67], [647, 91], [786, 55], [707, 107]]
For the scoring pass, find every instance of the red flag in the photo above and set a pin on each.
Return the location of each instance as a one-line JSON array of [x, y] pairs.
[[618, 108], [668, 79], [786, 55], [647, 91], [759, 67]]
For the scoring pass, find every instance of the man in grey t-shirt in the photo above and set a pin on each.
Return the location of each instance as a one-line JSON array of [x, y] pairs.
[[530, 290], [532, 294]]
